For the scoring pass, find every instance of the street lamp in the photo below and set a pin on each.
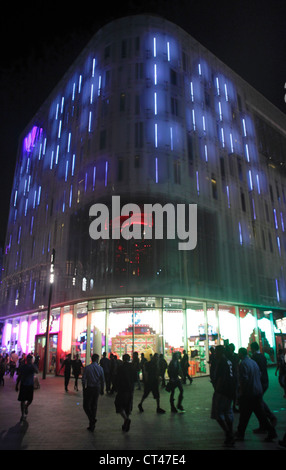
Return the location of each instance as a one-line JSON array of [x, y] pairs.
[[52, 278]]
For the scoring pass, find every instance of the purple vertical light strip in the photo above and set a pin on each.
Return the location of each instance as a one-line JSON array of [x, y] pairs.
[[106, 172]]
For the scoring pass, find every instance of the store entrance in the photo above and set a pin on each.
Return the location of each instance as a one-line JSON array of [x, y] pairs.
[[40, 343]]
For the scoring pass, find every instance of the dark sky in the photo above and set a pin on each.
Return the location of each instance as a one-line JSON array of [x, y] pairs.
[[39, 43]]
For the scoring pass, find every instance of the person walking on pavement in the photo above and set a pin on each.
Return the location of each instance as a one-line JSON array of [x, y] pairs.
[[105, 364], [151, 382], [175, 372], [26, 379], [185, 368], [250, 397], [281, 369], [224, 392], [126, 378], [93, 386], [261, 360], [67, 364], [76, 368]]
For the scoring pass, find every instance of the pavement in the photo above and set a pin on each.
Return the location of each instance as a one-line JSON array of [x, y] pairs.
[[56, 421]]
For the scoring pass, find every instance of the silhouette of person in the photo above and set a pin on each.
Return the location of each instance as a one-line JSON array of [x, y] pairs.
[[105, 364], [126, 377], [281, 369], [136, 366], [224, 392], [76, 368], [163, 366], [261, 360], [26, 379], [185, 368], [250, 397], [67, 373], [175, 372], [151, 383], [93, 386]]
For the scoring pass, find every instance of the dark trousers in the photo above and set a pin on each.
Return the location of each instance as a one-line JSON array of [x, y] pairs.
[[249, 405], [90, 399], [176, 384]]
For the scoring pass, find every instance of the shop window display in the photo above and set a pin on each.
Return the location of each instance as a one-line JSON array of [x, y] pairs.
[[247, 327], [228, 325], [197, 339]]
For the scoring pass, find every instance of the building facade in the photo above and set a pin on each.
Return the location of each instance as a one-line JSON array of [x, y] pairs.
[[148, 114]]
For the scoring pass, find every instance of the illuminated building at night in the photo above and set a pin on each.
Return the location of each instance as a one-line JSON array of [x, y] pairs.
[[148, 114]]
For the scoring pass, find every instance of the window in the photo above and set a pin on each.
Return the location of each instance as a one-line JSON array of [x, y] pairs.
[[177, 172], [122, 102], [102, 139], [174, 106], [173, 77], [214, 187], [139, 134]]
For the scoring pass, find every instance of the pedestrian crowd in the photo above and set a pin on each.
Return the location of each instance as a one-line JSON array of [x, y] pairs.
[[239, 382]]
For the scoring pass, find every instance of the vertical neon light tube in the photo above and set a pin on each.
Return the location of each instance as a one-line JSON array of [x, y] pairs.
[[244, 127], [192, 91], [282, 221], [89, 121], [250, 180], [155, 103], [222, 137], [93, 68], [253, 206], [156, 170], [217, 86], [57, 154], [194, 119], [225, 91], [247, 152], [154, 47], [258, 184], [155, 74], [240, 233], [156, 135], [198, 183], [57, 111], [70, 200], [206, 153], [171, 138], [200, 69], [60, 130], [79, 83], [73, 92], [228, 200], [278, 244], [94, 177], [67, 169], [231, 143], [73, 164], [106, 172], [91, 93], [277, 290], [168, 52], [69, 142], [99, 86], [275, 219]]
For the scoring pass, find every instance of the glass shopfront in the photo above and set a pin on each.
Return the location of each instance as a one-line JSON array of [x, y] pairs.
[[143, 324]]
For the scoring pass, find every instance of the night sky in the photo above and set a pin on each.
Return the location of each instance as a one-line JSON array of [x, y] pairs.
[[39, 43]]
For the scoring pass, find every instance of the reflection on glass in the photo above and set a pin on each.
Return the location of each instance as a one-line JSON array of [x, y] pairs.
[[120, 334], [247, 327], [197, 340], [173, 332], [97, 332], [228, 325]]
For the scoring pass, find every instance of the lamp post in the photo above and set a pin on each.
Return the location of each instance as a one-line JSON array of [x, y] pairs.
[[51, 281]]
